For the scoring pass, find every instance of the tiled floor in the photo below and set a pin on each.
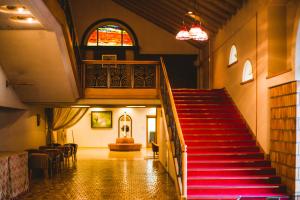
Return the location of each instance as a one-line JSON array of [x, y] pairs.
[[100, 174]]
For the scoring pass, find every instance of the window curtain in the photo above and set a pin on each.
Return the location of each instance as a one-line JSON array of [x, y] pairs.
[[62, 119]]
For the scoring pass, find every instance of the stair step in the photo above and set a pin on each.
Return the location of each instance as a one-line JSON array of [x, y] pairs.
[[258, 179], [208, 115], [191, 91], [229, 172], [205, 131], [210, 126], [223, 156], [237, 191], [207, 107], [203, 102], [258, 196], [197, 137], [201, 97], [191, 143], [223, 149], [236, 186], [209, 120]]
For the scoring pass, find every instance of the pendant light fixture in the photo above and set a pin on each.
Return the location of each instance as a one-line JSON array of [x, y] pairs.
[[183, 34], [196, 31]]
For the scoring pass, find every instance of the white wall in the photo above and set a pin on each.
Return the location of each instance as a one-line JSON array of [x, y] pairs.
[[85, 136], [19, 130], [152, 39], [248, 30]]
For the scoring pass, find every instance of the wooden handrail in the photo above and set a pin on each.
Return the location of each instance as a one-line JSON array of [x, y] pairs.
[[164, 71], [120, 62]]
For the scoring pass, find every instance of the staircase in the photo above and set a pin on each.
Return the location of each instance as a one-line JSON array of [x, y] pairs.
[[224, 161]]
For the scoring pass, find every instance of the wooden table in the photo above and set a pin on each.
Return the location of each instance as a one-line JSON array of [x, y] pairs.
[[13, 174]]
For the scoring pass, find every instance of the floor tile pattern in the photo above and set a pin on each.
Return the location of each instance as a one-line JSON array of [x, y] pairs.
[[106, 179]]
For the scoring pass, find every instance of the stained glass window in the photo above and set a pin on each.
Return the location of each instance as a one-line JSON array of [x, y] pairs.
[[109, 35]]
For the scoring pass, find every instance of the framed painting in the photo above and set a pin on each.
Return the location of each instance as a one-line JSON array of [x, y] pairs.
[[101, 119], [109, 57]]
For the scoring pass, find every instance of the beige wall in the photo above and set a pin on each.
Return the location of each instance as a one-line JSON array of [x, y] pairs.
[[152, 39], [8, 97], [85, 136], [19, 130], [248, 30]]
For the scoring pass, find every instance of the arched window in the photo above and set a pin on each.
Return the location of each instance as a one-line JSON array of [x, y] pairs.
[[110, 34], [248, 71], [232, 55]]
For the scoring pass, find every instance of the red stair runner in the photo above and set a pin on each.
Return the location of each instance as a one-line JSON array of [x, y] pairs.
[[224, 161]]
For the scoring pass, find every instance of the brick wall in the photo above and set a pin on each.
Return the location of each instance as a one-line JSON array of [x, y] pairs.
[[284, 103]]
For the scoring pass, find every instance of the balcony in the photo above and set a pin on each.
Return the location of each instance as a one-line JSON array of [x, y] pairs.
[[120, 79]]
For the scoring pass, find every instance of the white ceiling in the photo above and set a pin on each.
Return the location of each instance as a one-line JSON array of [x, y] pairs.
[[35, 58]]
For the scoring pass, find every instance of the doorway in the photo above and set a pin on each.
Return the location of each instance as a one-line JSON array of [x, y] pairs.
[[150, 130]]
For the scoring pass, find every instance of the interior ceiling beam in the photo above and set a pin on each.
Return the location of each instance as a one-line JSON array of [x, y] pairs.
[[222, 5], [236, 3], [192, 6], [158, 8], [213, 9], [219, 7], [160, 11], [212, 28], [204, 15], [154, 19], [185, 8]]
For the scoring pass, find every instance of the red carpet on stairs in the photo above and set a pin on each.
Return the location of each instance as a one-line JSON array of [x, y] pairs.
[[224, 161]]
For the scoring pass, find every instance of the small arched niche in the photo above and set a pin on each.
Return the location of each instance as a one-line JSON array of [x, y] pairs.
[[125, 126], [232, 56], [247, 71]]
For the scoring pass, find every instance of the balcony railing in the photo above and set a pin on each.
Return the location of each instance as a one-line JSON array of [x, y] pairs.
[[120, 74], [179, 148]]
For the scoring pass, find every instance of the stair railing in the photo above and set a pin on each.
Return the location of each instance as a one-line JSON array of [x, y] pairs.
[[179, 149]]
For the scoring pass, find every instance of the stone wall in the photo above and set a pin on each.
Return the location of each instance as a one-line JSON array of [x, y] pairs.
[[283, 154]]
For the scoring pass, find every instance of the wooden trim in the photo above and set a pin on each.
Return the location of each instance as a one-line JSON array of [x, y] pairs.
[[122, 93], [279, 73], [248, 81], [230, 65], [282, 84], [121, 62]]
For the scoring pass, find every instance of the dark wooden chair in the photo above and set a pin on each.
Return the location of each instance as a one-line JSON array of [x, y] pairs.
[[74, 152], [155, 149], [38, 161]]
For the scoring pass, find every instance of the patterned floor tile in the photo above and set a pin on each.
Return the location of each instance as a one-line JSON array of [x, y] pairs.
[[94, 179]]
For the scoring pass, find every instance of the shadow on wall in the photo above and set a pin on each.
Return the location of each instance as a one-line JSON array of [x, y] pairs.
[[182, 70], [9, 116]]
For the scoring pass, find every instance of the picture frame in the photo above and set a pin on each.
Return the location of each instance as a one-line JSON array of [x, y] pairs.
[[109, 57], [101, 119]]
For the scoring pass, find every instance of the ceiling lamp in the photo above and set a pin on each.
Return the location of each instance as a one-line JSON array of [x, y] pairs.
[[14, 9], [196, 32], [23, 19], [183, 34]]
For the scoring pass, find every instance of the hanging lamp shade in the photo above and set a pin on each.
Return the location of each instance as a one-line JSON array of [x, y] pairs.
[[196, 33], [183, 34], [202, 36]]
